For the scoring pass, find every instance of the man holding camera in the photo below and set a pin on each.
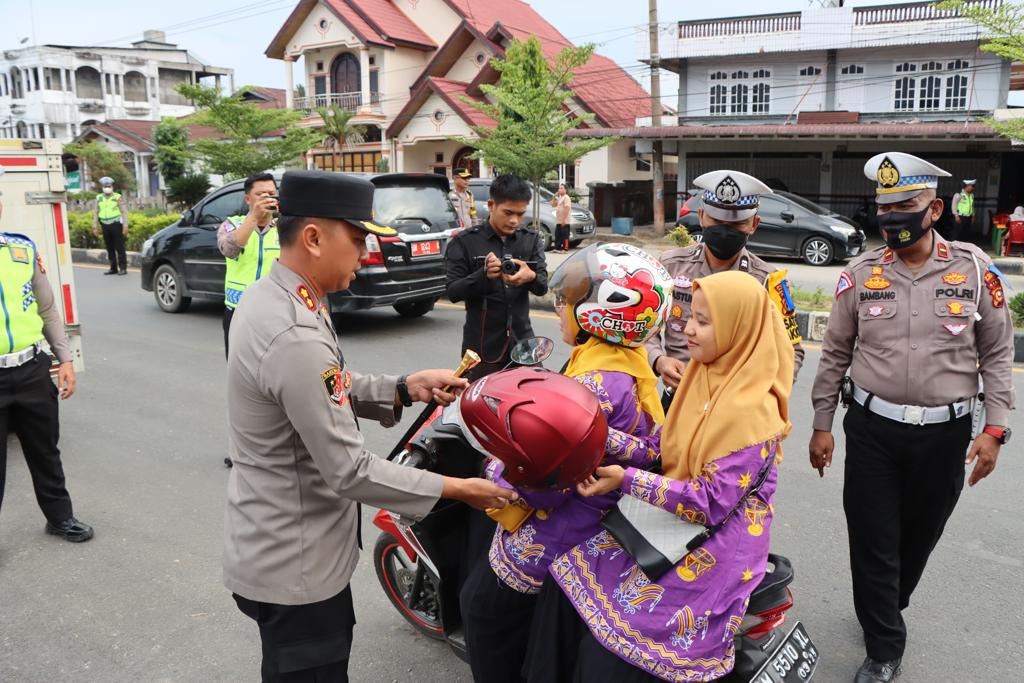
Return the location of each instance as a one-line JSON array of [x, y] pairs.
[[249, 243], [494, 267]]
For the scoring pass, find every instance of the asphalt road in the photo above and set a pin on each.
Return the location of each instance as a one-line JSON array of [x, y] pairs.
[[143, 442]]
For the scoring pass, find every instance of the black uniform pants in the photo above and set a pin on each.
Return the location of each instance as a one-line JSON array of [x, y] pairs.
[[228, 314], [497, 625], [562, 236], [28, 405], [304, 643], [901, 485], [113, 240]]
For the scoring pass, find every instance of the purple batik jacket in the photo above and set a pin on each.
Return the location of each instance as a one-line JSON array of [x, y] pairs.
[[561, 519], [680, 627]]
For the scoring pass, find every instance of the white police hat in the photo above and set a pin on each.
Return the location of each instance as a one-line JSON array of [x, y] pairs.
[[730, 195], [901, 176], [972, 181], [106, 180]]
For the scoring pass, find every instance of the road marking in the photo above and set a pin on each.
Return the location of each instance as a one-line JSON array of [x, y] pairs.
[[533, 314], [95, 267]]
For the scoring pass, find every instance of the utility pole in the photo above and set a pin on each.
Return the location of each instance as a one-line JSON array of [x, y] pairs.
[[656, 156]]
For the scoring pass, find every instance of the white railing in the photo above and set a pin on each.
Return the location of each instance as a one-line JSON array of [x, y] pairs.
[[349, 101], [713, 28], [916, 11]]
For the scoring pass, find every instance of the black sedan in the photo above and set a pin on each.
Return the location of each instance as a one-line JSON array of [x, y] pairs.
[[794, 226], [407, 271]]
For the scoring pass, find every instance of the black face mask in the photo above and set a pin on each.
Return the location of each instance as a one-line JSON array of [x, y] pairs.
[[902, 229], [724, 241]]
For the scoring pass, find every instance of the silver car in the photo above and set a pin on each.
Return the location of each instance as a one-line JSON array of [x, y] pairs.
[[581, 226]]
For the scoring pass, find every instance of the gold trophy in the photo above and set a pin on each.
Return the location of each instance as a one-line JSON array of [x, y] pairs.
[[470, 360]]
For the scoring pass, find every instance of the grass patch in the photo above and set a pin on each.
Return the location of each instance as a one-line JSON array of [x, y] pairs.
[[808, 300]]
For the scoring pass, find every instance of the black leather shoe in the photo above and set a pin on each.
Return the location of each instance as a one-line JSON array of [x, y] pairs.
[[123, 272], [110, 272], [71, 530], [877, 672]]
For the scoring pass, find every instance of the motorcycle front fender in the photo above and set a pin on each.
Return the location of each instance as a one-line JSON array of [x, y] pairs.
[[386, 523]]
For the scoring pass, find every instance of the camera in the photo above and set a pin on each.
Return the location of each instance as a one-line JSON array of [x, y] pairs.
[[508, 266]]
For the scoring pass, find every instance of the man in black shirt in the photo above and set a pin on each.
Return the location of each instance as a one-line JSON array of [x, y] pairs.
[[497, 302]]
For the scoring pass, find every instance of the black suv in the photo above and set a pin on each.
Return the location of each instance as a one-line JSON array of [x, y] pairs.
[[792, 226], [182, 260]]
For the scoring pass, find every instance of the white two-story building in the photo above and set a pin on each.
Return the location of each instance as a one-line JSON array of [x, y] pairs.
[[805, 98], [53, 91]]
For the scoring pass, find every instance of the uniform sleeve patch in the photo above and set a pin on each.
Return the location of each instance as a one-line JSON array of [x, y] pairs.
[[307, 297], [845, 283], [39, 262], [336, 383], [995, 289], [942, 250]]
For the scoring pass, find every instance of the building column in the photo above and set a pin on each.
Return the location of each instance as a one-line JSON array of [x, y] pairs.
[[681, 93], [364, 76], [74, 83], [830, 81], [216, 82], [120, 85], [47, 130], [289, 82], [825, 181], [399, 160], [63, 81], [681, 179]]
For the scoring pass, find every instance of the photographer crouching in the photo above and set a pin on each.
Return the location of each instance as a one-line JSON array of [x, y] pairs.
[[494, 267]]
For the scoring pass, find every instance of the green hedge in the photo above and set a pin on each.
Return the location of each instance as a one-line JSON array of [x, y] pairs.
[[140, 228]]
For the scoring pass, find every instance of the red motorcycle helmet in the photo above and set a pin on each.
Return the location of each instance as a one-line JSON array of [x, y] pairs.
[[548, 429]]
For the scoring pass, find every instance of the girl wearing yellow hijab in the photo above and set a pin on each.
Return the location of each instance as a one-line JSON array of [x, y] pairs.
[[722, 431], [610, 299]]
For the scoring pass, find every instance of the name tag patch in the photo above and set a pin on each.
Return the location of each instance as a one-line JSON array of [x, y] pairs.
[[877, 296], [954, 292]]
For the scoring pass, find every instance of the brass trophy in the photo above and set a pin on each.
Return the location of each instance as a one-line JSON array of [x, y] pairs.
[[470, 359]]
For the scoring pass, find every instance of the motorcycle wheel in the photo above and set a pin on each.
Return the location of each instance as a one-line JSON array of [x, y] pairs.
[[397, 575]]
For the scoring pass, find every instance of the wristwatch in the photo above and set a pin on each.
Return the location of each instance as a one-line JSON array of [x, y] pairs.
[[1000, 434], [403, 391]]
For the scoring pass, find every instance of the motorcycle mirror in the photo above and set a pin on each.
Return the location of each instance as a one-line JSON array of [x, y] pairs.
[[532, 351]]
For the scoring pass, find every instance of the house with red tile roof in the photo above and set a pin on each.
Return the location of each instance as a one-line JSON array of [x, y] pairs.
[[408, 66]]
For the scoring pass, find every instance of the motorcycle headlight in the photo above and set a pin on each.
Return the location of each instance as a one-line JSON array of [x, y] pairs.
[[147, 247]]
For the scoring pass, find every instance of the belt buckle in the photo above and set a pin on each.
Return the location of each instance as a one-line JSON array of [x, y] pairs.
[[914, 415]]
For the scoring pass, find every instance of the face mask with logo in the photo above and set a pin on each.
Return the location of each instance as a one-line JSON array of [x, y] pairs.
[[108, 190], [724, 241], [903, 228]]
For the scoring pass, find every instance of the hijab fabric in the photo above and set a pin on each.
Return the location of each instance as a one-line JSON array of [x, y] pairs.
[[742, 397], [596, 355]]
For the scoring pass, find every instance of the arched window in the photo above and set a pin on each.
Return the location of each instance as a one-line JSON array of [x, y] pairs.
[[851, 69], [761, 98], [87, 83], [135, 87], [904, 97], [810, 71], [717, 103], [16, 89], [462, 160], [930, 88], [345, 74], [718, 76], [738, 99]]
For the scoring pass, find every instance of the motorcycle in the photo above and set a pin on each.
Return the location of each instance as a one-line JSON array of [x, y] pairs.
[[421, 566]]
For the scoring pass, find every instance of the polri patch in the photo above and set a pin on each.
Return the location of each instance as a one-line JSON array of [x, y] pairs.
[[995, 289], [19, 254], [955, 308], [877, 282], [336, 383], [954, 278], [845, 283], [307, 298]]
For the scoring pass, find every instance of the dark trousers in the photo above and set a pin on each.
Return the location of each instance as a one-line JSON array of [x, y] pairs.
[[228, 314], [113, 240], [901, 485], [562, 237], [304, 643], [497, 626], [28, 405]]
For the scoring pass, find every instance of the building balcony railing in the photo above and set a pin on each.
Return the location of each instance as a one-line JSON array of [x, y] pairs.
[[350, 101], [765, 23], [914, 11]]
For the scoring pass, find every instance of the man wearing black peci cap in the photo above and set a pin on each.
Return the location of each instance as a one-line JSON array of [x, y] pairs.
[[300, 465]]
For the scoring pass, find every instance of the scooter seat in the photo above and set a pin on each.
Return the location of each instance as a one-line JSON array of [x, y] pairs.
[[772, 589]]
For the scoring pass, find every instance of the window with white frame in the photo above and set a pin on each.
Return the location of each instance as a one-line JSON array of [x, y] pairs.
[[956, 84], [903, 99], [810, 71], [925, 92], [761, 98], [851, 70], [738, 98], [718, 99]]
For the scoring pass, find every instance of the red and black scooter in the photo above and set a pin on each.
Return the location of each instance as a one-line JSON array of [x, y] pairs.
[[421, 566]]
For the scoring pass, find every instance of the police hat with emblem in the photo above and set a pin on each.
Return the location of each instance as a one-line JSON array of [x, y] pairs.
[[106, 181], [322, 194], [463, 173], [967, 182], [730, 195], [901, 176]]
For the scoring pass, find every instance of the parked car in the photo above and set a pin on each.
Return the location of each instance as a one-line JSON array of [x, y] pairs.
[[794, 226], [182, 261], [582, 220]]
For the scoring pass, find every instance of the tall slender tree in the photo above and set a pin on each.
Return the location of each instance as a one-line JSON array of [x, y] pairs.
[[337, 131]]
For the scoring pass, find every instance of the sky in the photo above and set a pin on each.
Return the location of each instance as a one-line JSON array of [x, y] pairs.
[[228, 33]]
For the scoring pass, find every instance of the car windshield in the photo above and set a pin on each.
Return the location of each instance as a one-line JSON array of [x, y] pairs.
[[816, 209], [545, 193], [397, 203]]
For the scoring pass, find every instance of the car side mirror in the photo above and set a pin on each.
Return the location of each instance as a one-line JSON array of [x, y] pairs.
[[186, 217], [787, 216]]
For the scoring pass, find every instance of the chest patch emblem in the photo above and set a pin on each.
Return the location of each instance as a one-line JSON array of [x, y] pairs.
[[875, 311], [677, 311], [683, 282], [955, 308], [877, 282], [845, 283], [956, 329], [954, 278]]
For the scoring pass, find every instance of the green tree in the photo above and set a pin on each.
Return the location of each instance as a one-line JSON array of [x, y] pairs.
[[187, 189], [529, 106], [337, 131], [172, 157], [251, 141], [1005, 26], [100, 162]]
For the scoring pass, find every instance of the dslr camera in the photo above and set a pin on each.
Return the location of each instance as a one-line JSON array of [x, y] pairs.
[[508, 266]]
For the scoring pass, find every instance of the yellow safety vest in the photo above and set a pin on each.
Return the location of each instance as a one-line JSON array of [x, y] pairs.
[[965, 206], [254, 261], [109, 211], [22, 325]]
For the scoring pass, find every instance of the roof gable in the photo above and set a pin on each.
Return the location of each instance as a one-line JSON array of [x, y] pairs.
[[449, 91]]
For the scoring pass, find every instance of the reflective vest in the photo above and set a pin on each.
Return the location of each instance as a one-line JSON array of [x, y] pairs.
[[109, 211], [22, 325], [965, 206], [254, 261]]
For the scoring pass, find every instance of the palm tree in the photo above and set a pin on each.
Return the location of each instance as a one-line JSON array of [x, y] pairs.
[[338, 133]]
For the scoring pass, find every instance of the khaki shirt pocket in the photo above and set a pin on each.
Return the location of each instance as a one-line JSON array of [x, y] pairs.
[[954, 322], [876, 327]]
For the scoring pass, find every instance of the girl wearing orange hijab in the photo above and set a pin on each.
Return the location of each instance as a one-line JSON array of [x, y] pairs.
[[721, 432]]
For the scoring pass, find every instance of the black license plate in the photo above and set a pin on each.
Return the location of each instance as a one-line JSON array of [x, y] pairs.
[[794, 660]]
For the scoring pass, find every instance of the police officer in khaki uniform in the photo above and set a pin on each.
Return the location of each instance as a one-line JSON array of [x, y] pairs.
[[300, 464], [462, 198], [914, 322], [728, 217]]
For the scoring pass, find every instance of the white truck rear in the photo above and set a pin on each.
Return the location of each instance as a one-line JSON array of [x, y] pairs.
[[33, 205]]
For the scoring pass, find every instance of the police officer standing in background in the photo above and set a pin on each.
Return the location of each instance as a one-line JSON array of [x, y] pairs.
[[28, 397], [479, 261], [249, 243], [914, 322], [300, 464], [963, 210], [112, 215], [728, 217], [462, 198]]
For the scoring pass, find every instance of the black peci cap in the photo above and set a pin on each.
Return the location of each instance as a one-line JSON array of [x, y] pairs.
[[321, 194]]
